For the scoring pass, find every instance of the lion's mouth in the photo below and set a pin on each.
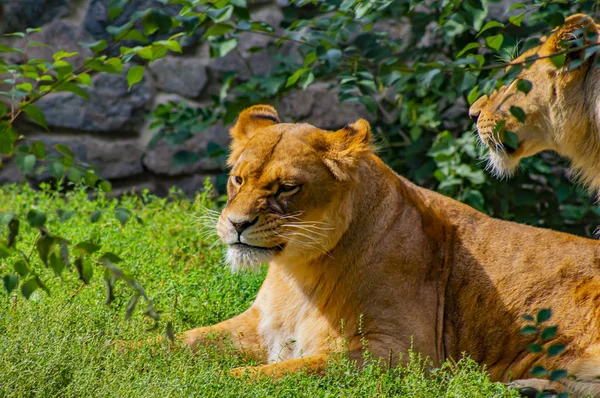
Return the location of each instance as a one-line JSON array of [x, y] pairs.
[[245, 246]]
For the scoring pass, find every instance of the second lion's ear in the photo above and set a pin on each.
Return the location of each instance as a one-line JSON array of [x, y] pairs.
[[253, 118], [250, 120], [578, 31]]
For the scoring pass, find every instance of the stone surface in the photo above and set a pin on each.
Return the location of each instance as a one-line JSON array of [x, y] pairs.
[[61, 35], [18, 15], [318, 105], [112, 108], [160, 159], [183, 76]]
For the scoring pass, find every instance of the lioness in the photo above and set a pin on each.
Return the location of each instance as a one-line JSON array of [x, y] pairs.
[[349, 241], [562, 109]]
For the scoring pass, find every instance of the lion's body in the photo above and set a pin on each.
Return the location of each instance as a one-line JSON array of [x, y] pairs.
[[562, 109], [402, 266]]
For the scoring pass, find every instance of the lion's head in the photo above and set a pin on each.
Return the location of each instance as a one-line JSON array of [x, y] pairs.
[[289, 188], [558, 111]]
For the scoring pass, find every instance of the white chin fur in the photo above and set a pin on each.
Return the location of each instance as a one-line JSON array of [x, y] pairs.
[[501, 165], [246, 258]]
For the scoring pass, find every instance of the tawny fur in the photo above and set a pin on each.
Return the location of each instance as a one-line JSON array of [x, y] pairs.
[[398, 265], [562, 109]]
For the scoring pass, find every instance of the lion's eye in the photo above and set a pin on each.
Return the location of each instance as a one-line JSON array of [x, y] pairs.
[[287, 189], [236, 180]]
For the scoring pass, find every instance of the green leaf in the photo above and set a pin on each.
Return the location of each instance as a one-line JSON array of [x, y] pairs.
[[65, 215], [29, 287], [131, 306], [222, 48], [221, 14], [36, 218], [136, 35], [63, 54], [63, 149], [539, 371], [183, 157], [21, 268], [536, 348], [473, 95], [10, 282], [549, 332], [555, 349], [55, 262], [87, 247], [494, 42], [516, 19], [135, 75], [84, 79], [218, 30], [111, 257], [44, 247], [38, 149], [558, 374], [105, 186], [518, 113], [524, 85], [362, 9], [36, 115], [172, 45], [4, 252], [73, 88], [294, 78], [57, 169], [558, 60], [307, 80], [512, 140], [6, 49], [310, 59], [95, 216], [543, 315], [13, 232], [528, 329], [490, 25], [6, 218], [468, 47], [123, 215], [96, 46], [25, 163]]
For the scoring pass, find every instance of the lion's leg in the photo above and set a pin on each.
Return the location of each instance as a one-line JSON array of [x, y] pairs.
[[314, 364], [241, 330]]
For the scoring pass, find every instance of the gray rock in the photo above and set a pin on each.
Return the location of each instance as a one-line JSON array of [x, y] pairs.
[[160, 159], [190, 185], [112, 108], [16, 16], [318, 105], [114, 159], [61, 35], [183, 76]]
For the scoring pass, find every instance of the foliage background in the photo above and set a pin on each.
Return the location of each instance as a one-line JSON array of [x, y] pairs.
[[411, 67]]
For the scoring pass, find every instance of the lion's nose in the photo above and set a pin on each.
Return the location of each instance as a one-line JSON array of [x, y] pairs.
[[474, 114], [240, 226]]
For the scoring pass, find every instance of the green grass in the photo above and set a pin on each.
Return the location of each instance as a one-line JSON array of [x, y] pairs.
[[62, 344]]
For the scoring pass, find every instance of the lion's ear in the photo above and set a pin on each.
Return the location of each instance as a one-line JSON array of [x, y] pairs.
[[342, 149], [253, 118], [578, 30], [249, 121]]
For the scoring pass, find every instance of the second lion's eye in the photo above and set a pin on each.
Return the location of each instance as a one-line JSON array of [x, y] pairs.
[[237, 180], [287, 189]]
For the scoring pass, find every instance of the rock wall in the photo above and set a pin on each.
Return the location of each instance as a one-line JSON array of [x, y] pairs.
[[111, 130]]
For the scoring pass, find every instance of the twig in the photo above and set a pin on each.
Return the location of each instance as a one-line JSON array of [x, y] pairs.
[[72, 296]]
